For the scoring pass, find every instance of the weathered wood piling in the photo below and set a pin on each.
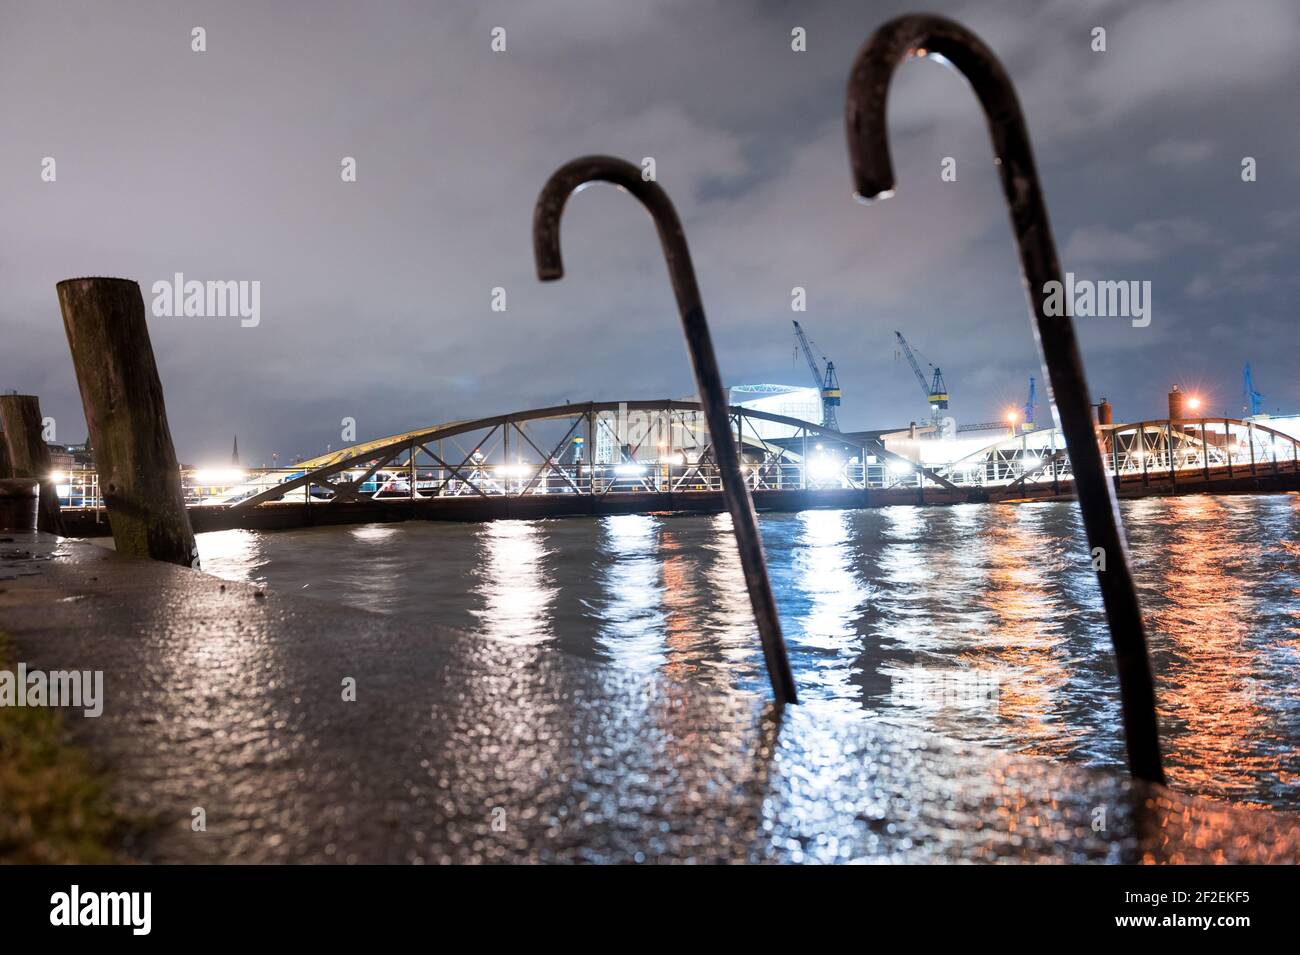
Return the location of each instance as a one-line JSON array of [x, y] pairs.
[[28, 456], [123, 399]]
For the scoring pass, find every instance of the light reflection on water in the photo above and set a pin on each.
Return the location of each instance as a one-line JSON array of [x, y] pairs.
[[511, 582], [632, 621], [975, 621]]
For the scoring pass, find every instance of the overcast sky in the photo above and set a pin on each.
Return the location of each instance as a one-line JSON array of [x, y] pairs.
[[375, 295]]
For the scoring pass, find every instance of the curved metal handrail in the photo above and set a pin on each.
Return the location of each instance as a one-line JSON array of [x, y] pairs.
[[546, 249], [868, 140]]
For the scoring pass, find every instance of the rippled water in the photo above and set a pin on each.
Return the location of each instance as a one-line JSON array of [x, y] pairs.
[[977, 621]]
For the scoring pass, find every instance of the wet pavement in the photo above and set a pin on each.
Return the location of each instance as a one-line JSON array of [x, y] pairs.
[[22, 553], [463, 749]]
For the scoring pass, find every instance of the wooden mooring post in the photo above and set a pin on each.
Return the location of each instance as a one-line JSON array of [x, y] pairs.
[[29, 456], [123, 399]]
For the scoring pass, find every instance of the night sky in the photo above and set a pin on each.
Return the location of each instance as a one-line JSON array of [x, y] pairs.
[[376, 295]]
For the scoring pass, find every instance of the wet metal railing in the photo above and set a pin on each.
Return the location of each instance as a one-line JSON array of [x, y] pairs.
[[566, 180], [950, 43]]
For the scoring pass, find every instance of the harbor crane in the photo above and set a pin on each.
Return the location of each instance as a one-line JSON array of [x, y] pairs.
[[1254, 400], [826, 382], [936, 392]]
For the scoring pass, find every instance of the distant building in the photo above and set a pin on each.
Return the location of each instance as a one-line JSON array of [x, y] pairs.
[[789, 401], [71, 457], [1287, 424]]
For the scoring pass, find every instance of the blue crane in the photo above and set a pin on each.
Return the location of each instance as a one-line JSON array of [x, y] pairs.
[[1029, 407], [828, 383], [1253, 398]]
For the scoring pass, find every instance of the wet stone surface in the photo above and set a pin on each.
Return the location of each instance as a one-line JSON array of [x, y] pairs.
[[23, 552], [460, 749]]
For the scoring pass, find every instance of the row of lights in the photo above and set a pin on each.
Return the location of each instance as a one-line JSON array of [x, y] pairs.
[[822, 466], [206, 477], [1193, 404]]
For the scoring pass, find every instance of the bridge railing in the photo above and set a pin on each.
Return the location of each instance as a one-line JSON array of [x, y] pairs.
[[80, 489], [1141, 451], [1146, 450]]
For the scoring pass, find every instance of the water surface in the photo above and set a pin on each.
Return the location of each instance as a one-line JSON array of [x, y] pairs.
[[977, 621]]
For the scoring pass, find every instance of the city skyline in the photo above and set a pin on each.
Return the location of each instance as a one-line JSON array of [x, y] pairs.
[[377, 294]]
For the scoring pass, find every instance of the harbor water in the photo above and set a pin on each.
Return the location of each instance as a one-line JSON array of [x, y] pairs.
[[981, 622]]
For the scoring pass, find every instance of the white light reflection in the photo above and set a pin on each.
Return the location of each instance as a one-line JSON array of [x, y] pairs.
[[517, 598], [373, 533], [730, 619], [829, 643], [381, 568], [232, 555], [633, 621], [903, 578]]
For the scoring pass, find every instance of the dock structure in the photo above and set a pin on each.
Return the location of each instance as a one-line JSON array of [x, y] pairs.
[[655, 456], [24, 455], [454, 748]]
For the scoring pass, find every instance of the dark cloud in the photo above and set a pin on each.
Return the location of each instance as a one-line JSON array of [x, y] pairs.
[[375, 295]]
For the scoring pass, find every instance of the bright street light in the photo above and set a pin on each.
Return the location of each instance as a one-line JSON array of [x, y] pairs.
[[822, 467]]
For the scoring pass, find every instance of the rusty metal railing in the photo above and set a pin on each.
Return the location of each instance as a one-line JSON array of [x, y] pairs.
[[873, 175], [713, 396]]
